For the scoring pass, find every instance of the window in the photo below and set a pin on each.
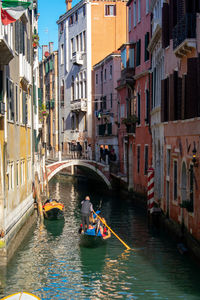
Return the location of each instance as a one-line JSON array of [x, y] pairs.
[[96, 105], [147, 117], [10, 176], [146, 158], [111, 101], [77, 122], [61, 27], [71, 20], [63, 125], [134, 14], [81, 85], [138, 108], [24, 107], [96, 78], [72, 89], [77, 43], [105, 75], [29, 169], [146, 43], [22, 172], [138, 50], [168, 161], [76, 16], [129, 18], [10, 100], [77, 87], [139, 11], [101, 76], [147, 7], [110, 10], [175, 180], [17, 173], [138, 159], [85, 85], [84, 41], [104, 102], [17, 103], [62, 94], [72, 47], [84, 12], [110, 71], [62, 54]]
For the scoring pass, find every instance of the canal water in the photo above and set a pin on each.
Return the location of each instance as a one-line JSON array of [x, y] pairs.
[[52, 263]]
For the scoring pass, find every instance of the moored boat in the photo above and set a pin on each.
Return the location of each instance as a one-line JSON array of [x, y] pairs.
[[22, 296], [53, 209]]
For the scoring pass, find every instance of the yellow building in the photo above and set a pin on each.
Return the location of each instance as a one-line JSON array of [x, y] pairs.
[[16, 127]]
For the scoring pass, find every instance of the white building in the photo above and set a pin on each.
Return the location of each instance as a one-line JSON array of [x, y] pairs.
[[157, 52]]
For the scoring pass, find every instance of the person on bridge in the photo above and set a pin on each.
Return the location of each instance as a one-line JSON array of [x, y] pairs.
[[86, 210]]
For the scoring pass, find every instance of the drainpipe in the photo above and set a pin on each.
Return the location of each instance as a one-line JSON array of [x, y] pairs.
[[5, 141]]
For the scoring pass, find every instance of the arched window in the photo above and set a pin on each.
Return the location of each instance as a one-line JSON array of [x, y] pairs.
[[72, 88], [77, 87], [85, 85], [81, 85]]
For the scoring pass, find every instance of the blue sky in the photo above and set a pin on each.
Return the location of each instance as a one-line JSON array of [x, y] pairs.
[[50, 11]]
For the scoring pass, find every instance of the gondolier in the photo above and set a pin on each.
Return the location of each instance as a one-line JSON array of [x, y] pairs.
[[86, 210]]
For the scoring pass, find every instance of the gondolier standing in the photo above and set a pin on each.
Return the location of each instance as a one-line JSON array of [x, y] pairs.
[[86, 210]]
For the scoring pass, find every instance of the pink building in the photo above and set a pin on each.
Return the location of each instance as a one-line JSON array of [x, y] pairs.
[[106, 73], [180, 114], [134, 92]]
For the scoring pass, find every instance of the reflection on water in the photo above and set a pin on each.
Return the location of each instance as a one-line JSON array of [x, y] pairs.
[[53, 264]]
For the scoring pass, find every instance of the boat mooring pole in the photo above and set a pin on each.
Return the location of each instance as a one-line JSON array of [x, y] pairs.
[[37, 192], [127, 247]]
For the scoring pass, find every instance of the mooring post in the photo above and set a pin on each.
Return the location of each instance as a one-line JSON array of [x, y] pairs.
[[37, 192], [47, 183]]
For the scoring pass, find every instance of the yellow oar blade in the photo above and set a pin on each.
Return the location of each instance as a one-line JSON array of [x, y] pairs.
[[127, 247]]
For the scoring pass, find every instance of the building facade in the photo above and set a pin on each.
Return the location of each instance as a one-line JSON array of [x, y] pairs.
[[106, 74], [48, 108], [88, 32], [180, 113], [16, 126]]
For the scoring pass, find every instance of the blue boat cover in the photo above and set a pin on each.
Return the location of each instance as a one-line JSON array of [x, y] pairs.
[[92, 232]]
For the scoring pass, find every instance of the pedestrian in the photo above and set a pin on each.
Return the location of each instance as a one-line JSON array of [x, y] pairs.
[[86, 210], [89, 152], [79, 150]]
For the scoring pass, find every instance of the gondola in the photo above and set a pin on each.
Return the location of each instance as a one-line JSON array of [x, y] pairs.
[[93, 236], [22, 296], [53, 210]]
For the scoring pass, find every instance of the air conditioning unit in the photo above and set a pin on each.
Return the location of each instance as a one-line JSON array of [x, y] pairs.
[[2, 108]]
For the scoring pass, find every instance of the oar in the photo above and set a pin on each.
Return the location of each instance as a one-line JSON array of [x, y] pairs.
[[127, 247]]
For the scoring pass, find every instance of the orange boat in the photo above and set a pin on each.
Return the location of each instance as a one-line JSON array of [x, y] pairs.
[[53, 209]]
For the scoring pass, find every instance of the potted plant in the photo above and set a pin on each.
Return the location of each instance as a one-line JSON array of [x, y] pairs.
[[35, 39]]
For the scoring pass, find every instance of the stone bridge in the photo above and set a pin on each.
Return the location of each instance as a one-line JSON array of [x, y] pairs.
[[97, 168]]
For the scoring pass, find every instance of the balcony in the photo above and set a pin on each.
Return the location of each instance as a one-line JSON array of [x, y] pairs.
[[79, 105], [6, 52], [25, 70], [77, 58], [184, 35]]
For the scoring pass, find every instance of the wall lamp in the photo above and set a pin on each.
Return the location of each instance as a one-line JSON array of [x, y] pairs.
[[194, 156]]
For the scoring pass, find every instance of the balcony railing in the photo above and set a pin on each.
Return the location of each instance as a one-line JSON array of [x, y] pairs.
[[77, 58], [79, 105], [185, 29], [6, 44], [25, 69]]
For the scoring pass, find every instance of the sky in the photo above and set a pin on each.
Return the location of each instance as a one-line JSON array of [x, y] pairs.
[[50, 11]]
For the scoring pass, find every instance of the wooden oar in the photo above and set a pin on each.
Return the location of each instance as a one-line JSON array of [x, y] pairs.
[[127, 247]]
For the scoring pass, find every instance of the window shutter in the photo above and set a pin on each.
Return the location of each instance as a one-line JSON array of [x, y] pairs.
[[165, 25], [179, 99], [172, 16], [146, 52], [162, 100], [191, 103], [165, 100], [12, 104], [183, 97]]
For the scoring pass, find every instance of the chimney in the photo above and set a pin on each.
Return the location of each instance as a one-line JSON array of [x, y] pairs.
[[50, 47], [68, 4], [45, 49]]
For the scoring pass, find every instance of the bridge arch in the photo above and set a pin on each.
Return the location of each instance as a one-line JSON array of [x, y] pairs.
[[65, 164]]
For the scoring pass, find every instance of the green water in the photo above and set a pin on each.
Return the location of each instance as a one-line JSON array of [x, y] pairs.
[[52, 263]]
